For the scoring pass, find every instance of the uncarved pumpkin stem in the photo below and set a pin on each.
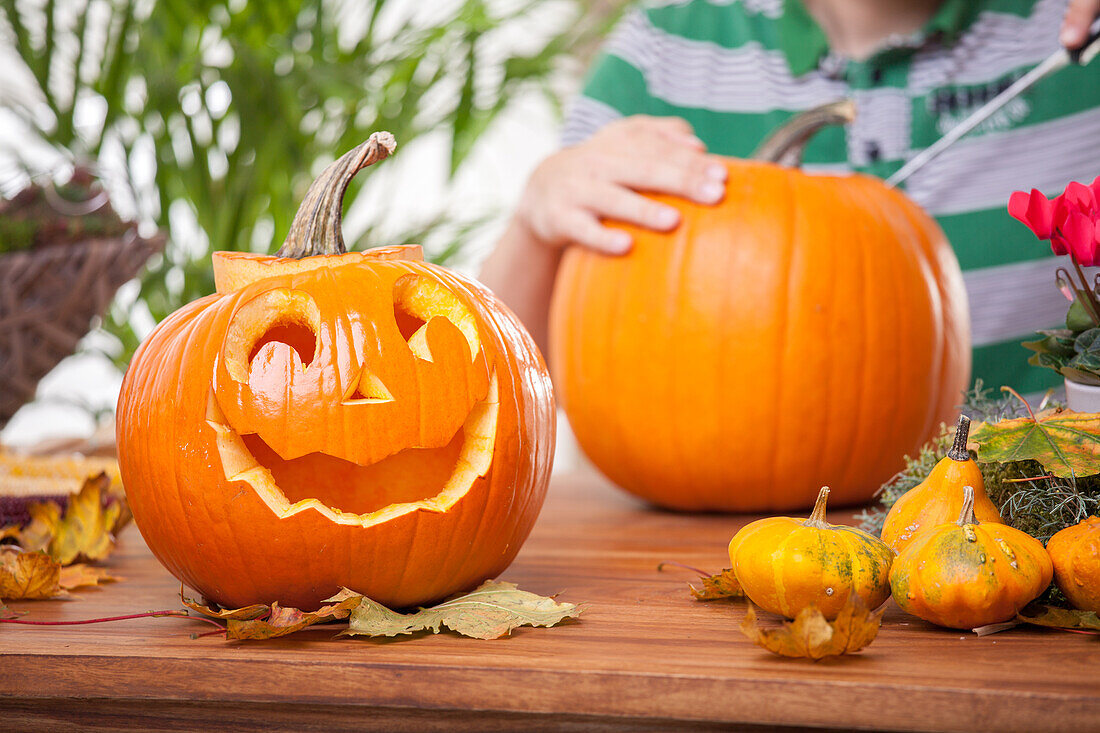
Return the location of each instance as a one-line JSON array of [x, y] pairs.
[[817, 516], [316, 227], [966, 516], [786, 145], [958, 451]]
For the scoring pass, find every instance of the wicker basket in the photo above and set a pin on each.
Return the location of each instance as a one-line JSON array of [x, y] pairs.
[[48, 298]]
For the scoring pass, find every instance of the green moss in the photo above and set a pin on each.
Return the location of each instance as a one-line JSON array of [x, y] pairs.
[[1026, 499]]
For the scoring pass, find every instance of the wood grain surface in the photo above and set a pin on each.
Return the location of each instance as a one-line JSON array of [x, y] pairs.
[[644, 656]]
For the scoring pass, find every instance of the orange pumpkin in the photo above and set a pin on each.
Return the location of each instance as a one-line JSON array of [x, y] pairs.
[[966, 574], [810, 330], [938, 499], [1075, 552], [364, 420]]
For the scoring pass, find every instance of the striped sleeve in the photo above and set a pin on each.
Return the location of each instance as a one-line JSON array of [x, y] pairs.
[[615, 87]]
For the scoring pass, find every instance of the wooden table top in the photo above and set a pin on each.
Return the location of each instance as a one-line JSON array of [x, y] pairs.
[[644, 656]]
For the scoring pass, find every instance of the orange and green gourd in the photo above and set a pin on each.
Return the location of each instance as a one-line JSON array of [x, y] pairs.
[[784, 564], [1075, 552], [938, 499], [967, 574]]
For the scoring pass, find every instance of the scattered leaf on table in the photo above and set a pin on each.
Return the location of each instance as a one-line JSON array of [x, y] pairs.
[[7, 614], [29, 576], [226, 614], [83, 531], [82, 576], [811, 636], [283, 621], [1066, 443], [491, 611], [719, 585], [1059, 618]]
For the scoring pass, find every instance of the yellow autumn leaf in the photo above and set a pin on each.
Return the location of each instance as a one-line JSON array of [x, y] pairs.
[[810, 636], [29, 576], [82, 576], [83, 531], [719, 585]]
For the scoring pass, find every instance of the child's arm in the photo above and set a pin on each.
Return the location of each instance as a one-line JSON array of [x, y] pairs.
[[573, 191]]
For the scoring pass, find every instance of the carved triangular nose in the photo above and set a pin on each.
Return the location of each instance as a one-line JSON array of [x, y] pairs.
[[368, 388]]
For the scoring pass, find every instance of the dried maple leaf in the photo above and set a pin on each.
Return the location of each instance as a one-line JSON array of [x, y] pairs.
[[83, 531], [719, 585], [225, 614], [283, 621], [8, 614], [29, 576], [491, 611], [82, 576], [1065, 443], [1059, 618], [811, 636]]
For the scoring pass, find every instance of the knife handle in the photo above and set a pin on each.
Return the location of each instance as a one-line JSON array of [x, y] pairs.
[[1085, 52]]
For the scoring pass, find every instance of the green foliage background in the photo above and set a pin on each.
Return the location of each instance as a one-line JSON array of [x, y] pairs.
[[241, 103]]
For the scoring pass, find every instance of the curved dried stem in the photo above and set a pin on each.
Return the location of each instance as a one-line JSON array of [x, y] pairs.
[[786, 145], [316, 229]]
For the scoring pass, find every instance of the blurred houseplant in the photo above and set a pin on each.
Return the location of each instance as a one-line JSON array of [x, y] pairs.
[[1071, 222], [209, 118]]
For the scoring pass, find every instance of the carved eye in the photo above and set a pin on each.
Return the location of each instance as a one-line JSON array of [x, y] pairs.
[[417, 300], [283, 317]]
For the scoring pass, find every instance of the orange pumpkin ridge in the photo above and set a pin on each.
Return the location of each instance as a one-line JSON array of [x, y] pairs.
[[809, 330], [363, 420]]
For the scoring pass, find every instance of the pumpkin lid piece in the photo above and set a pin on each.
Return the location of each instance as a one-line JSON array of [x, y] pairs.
[[316, 238]]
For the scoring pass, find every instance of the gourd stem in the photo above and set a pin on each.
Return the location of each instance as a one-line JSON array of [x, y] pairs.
[[786, 145], [966, 516], [316, 227], [958, 451], [817, 516]]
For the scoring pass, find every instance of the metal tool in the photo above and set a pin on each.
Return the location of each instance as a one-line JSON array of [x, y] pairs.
[[1058, 60]]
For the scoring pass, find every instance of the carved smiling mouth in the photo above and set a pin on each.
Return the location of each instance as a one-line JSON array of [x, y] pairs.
[[432, 479]]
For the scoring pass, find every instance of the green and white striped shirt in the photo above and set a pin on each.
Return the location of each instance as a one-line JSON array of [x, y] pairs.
[[736, 69]]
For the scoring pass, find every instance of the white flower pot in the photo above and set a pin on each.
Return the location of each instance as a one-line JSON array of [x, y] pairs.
[[1082, 397]]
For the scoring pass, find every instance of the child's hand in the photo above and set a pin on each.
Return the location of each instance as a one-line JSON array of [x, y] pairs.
[[572, 190], [1080, 14]]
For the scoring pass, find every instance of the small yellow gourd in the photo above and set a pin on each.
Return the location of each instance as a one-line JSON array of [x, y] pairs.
[[938, 499], [784, 564], [1075, 552], [967, 574]]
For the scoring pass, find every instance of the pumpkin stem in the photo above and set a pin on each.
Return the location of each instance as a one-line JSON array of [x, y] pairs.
[[316, 227], [958, 451], [817, 516], [966, 516], [787, 143]]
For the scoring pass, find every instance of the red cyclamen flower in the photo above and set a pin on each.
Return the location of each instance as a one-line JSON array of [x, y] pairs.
[[1071, 221]]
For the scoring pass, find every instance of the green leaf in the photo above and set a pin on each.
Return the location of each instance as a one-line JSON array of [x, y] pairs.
[[489, 612], [1059, 618], [1086, 342], [1080, 375], [1065, 443], [1077, 319]]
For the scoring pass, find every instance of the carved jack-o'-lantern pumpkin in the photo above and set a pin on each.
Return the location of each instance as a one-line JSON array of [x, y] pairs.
[[336, 419]]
